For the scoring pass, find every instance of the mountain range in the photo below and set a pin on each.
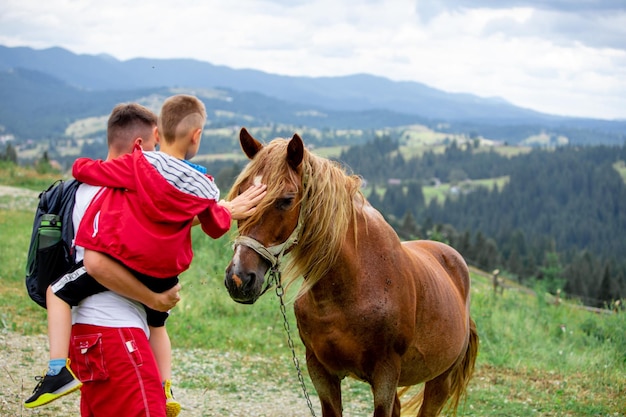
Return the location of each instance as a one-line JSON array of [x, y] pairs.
[[42, 91]]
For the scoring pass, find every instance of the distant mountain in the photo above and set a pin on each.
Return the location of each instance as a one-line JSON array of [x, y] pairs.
[[34, 105], [54, 82], [37, 105], [347, 93]]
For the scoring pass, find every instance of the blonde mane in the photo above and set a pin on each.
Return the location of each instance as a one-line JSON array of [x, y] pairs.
[[328, 207]]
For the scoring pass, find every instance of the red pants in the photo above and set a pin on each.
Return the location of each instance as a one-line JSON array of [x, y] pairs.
[[119, 374]]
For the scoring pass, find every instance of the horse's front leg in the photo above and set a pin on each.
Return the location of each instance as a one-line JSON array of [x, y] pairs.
[[328, 386], [385, 387]]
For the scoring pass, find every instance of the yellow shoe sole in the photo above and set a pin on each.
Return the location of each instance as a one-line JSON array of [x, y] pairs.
[[172, 408], [49, 397]]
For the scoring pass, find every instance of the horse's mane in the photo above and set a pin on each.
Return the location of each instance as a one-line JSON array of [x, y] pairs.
[[328, 204]]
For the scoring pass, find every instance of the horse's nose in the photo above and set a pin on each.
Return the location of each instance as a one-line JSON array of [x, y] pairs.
[[242, 281], [237, 280]]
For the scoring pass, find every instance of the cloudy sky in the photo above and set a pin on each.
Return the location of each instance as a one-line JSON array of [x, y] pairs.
[[565, 57]]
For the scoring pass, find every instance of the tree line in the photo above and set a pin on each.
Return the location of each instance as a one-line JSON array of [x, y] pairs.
[[559, 221]]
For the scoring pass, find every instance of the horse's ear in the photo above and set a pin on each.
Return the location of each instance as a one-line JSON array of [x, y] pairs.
[[295, 152], [249, 145]]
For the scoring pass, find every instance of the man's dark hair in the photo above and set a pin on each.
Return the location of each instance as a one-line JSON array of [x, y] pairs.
[[127, 122]]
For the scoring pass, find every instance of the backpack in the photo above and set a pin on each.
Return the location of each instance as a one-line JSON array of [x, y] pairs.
[[51, 254]]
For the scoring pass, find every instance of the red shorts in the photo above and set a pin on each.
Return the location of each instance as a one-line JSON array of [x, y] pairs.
[[118, 370]]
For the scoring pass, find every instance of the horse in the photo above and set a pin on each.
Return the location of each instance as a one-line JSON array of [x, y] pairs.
[[390, 313]]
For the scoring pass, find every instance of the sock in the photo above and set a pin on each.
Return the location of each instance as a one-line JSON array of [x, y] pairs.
[[55, 366]]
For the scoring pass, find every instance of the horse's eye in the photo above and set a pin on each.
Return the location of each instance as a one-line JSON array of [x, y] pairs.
[[284, 203]]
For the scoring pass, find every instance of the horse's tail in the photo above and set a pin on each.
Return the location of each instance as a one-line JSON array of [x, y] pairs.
[[411, 406], [462, 373]]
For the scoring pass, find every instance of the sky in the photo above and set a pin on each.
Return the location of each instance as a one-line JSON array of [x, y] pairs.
[[563, 57]]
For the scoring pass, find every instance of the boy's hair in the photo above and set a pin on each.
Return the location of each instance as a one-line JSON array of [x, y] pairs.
[[180, 116], [127, 122]]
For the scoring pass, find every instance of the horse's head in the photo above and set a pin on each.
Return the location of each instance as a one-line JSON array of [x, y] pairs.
[[273, 229]]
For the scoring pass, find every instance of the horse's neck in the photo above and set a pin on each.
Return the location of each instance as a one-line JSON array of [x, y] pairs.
[[374, 234], [374, 238]]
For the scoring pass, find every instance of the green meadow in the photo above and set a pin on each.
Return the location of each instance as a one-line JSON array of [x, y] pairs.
[[536, 357]]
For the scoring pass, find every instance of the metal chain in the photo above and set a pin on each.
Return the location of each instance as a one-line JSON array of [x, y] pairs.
[[280, 292]]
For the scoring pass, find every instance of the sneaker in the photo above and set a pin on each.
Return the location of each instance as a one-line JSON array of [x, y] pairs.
[[172, 407], [51, 387]]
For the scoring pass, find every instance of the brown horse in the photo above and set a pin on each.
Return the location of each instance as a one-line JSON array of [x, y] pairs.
[[391, 313]]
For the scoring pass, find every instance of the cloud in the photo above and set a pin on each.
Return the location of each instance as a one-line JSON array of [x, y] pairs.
[[592, 23], [559, 56], [430, 8]]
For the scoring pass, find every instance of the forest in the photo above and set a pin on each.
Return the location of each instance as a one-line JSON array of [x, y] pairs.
[[559, 221]]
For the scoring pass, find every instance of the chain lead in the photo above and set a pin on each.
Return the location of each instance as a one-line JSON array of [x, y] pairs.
[[280, 292]]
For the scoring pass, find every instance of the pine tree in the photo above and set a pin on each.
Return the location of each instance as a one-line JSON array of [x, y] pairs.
[[409, 229], [606, 294]]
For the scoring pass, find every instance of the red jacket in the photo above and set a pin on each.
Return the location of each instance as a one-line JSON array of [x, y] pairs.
[[141, 219]]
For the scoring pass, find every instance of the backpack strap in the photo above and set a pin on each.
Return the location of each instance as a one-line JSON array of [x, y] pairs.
[[44, 197]]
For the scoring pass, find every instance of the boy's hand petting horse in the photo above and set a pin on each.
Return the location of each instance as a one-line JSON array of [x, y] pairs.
[[391, 313]]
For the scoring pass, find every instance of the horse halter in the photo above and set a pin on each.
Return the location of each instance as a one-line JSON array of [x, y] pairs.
[[273, 254]]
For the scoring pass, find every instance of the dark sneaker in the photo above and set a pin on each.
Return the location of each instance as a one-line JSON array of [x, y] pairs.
[[172, 407], [51, 387]]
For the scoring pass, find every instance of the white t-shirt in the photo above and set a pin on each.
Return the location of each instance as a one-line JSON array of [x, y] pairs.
[[106, 309]]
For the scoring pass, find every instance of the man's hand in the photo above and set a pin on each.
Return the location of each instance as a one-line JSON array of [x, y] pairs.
[[242, 206], [114, 276], [165, 301]]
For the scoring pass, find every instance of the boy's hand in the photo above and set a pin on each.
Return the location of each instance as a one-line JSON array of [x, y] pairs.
[[165, 301], [245, 203]]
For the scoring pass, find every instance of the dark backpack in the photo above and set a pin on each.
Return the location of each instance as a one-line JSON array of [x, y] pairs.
[[51, 253]]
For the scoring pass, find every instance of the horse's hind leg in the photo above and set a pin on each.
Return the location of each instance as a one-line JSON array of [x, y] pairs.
[[436, 393]]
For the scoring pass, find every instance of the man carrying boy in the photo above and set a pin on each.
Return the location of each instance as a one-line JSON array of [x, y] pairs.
[[152, 199], [129, 125], [156, 196]]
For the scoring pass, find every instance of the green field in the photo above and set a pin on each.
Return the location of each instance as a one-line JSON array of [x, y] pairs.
[[536, 358], [621, 168], [442, 191]]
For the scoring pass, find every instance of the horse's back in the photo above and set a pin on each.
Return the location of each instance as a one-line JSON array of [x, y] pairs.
[[447, 257]]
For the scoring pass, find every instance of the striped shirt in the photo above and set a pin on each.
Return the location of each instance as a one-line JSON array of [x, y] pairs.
[[182, 176]]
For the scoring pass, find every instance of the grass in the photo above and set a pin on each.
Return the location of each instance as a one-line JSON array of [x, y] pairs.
[[536, 358], [17, 311], [490, 183], [506, 150], [25, 177], [620, 167], [440, 192], [437, 193]]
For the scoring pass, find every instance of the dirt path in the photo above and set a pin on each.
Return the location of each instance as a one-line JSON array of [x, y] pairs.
[[234, 390], [17, 191], [15, 198]]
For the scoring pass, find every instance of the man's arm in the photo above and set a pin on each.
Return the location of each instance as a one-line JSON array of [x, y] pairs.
[[117, 278]]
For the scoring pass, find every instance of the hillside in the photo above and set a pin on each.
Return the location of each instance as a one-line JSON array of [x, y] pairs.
[[550, 217]]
